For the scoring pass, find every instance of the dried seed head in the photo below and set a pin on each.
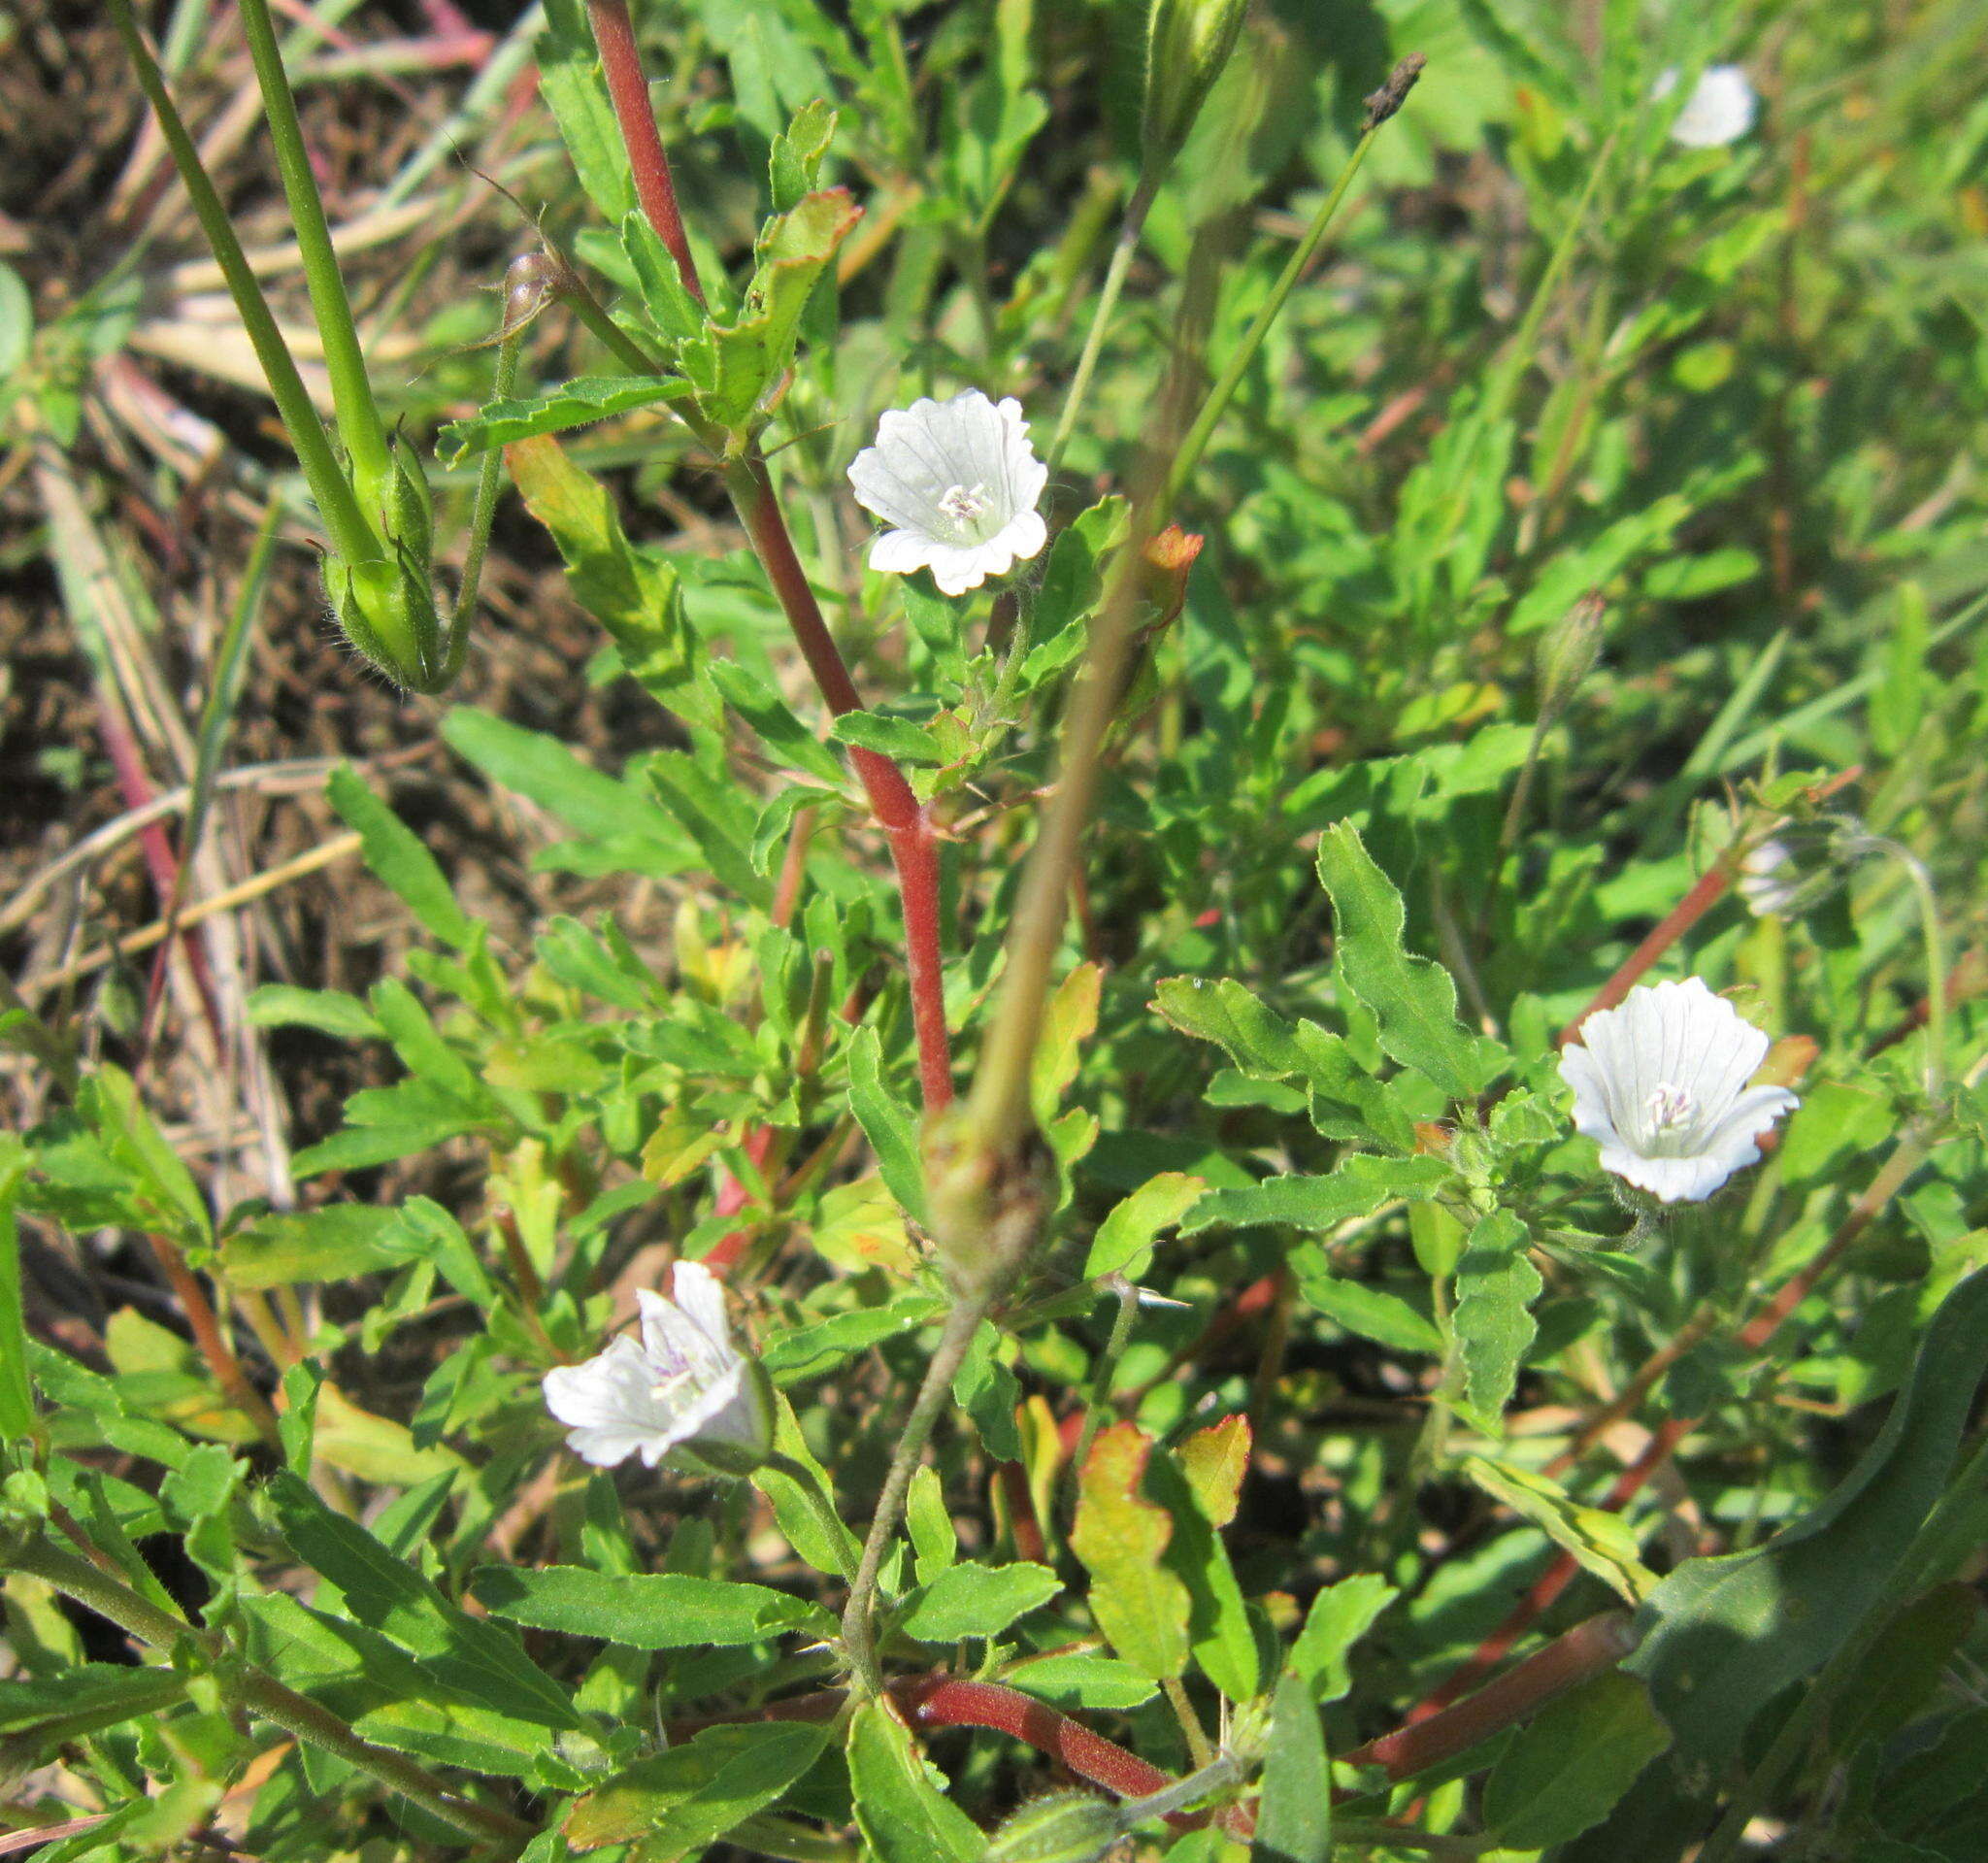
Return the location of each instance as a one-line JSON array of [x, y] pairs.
[[530, 283], [1389, 98]]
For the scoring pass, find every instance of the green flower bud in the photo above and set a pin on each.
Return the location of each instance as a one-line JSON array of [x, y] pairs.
[[1061, 1827], [1187, 43], [1567, 653], [387, 610]]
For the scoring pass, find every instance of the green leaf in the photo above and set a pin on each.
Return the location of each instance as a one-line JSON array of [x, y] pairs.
[[1218, 1627], [572, 83], [808, 1351], [1360, 1308], [1339, 1616], [972, 1600], [887, 1124], [1359, 1186], [902, 1808], [1124, 1241], [737, 368], [1496, 1286], [689, 1797], [798, 152], [1413, 1000], [643, 1611], [470, 1654], [47, 1712], [783, 734], [398, 858], [1723, 1636], [898, 739], [1569, 1767], [1139, 1601], [934, 1538], [336, 1243], [1603, 1542], [1294, 1816], [1073, 582], [632, 592], [1083, 1681], [576, 403], [16, 1396], [331, 1011]]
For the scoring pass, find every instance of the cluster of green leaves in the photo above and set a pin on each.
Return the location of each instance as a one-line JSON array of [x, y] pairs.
[[1298, 1076]]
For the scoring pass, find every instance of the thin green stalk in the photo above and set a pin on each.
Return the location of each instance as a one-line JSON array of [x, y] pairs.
[[35, 1554], [1134, 223], [351, 391], [352, 537], [489, 482], [859, 1635], [1106, 1369], [1188, 456]]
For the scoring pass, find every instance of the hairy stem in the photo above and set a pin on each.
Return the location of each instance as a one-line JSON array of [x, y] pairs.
[[628, 88], [859, 1637]]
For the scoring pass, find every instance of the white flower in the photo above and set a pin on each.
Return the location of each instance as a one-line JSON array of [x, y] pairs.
[[959, 482], [1720, 109], [683, 1383], [1767, 888], [1661, 1082]]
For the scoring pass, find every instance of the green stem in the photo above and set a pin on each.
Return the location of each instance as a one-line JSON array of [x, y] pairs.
[[489, 481], [352, 537], [1106, 1369], [1188, 454], [358, 418], [252, 1689], [1135, 211], [859, 1637]]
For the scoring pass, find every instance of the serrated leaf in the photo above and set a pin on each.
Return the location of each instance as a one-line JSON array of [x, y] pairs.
[[1360, 1308], [1218, 1628], [1359, 1186], [782, 733], [798, 152], [1139, 1603], [1414, 999], [578, 402], [332, 1244], [809, 1352], [1496, 1286], [898, 739], [643, 1611]]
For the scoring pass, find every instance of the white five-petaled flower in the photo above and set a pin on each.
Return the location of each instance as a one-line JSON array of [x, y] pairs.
[[1720, 109], [683, 1383], [958, 482], [1661, 1082]]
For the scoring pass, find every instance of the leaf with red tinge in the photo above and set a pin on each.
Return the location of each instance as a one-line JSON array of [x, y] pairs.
[[1141, 1606]]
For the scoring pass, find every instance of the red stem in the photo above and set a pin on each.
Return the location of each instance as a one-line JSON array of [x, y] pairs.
[[905, 825], [614, 33], [1681, 918]]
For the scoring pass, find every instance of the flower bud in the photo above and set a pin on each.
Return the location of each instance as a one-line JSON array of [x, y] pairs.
[[1567, 653], [1187, 43], [1061, 1827], [387, 610]]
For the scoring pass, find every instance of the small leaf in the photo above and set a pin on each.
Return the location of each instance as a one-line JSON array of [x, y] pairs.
[[782, 733], [902, 1809], [689, 1797], [1413, 1000], [1124, 1241], [16, 1398], [1339, 1616], [1214, 1461], [397, 858], [898, 739], [887, 1124], [1294, 1816], [1603, 1542], [1360, 1185], [1140, 1604], [809, 1351], [1573, 1764], [1360, 1308], [576, 403], [643, 1611], [1496, 1286], [972, 1600]]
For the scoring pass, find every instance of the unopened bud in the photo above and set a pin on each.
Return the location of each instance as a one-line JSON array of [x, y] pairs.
[[1567, 653], [1187, 43], [530, 283], [386, 610], [1060, 1827], [1392, 95]]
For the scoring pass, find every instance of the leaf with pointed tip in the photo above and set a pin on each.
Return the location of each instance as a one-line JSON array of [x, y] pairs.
[[575, 403]]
